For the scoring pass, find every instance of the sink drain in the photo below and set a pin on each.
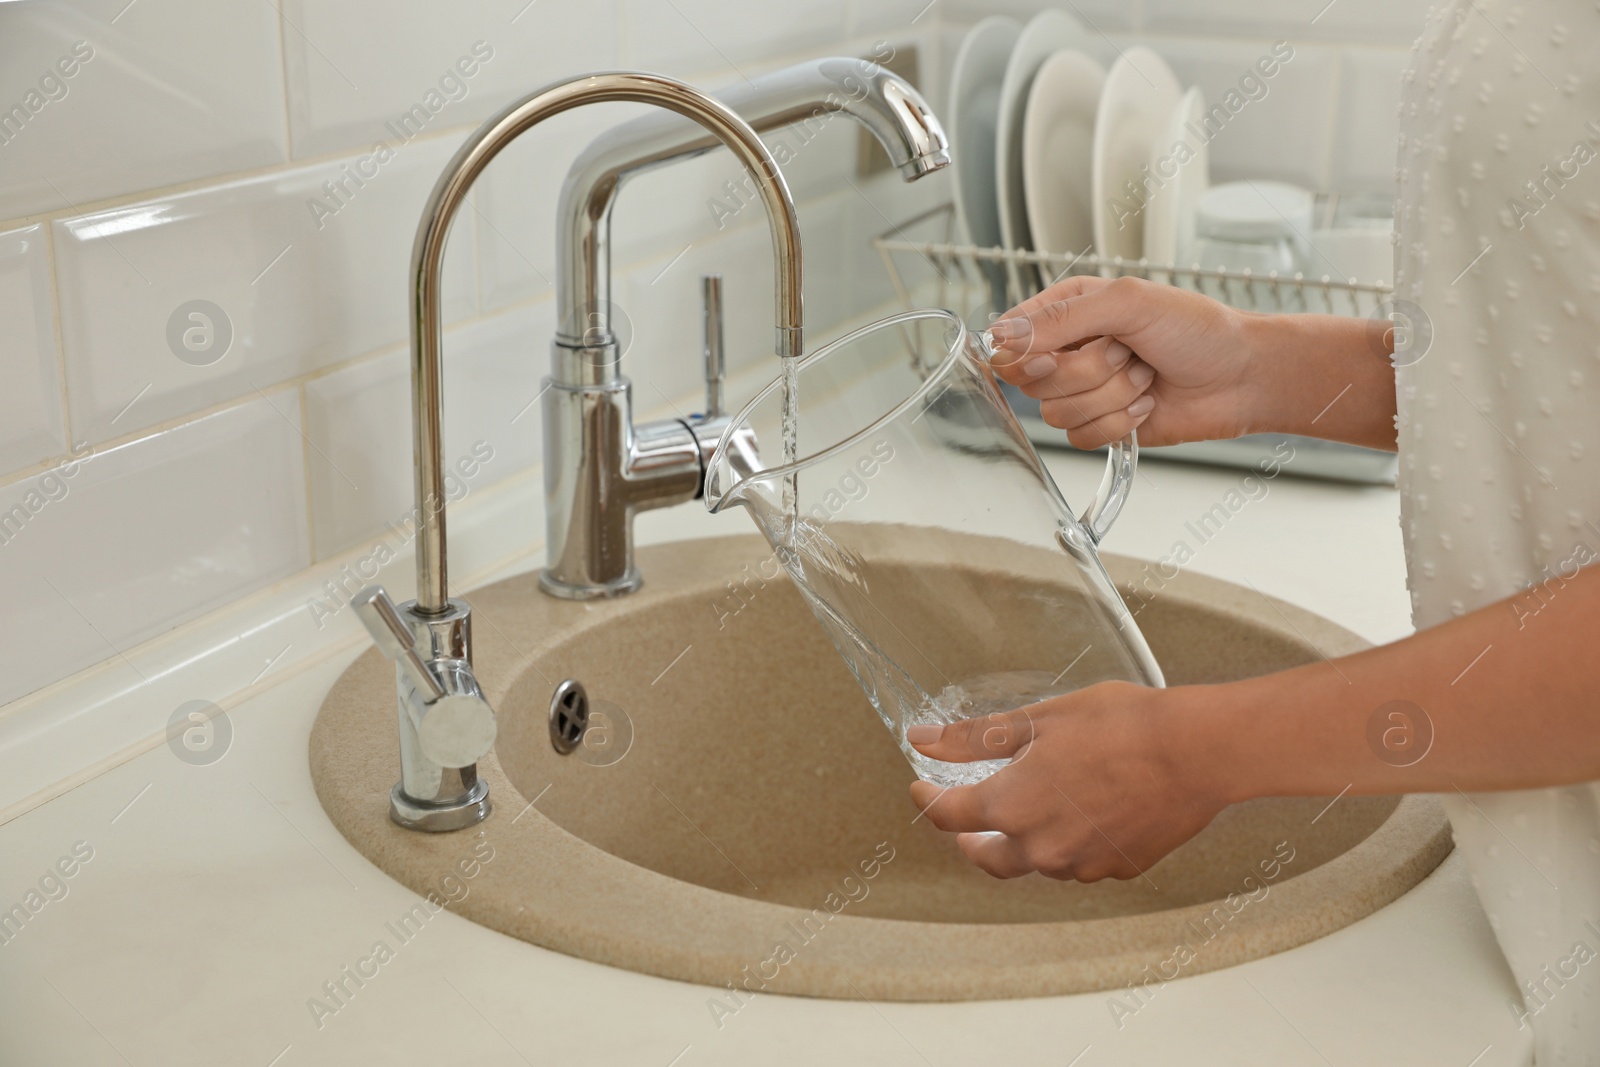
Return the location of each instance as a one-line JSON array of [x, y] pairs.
[[569, 716]]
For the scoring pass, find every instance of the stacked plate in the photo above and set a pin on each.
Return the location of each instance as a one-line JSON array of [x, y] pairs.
[[1053, 152]]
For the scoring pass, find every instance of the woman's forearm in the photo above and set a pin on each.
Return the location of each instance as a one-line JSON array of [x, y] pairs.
[[1325, 376], [1506, 697]]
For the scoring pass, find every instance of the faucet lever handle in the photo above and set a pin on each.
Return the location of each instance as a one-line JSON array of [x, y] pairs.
[[711, 294], [393, 638]]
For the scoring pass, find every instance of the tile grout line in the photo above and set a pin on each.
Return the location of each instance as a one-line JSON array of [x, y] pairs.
[[283, 73], [304, 444], [60, 339], [212, 182], [135, 437], [178, 421]]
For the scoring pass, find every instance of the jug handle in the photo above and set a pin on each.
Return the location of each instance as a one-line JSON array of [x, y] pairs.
[[1121, 462]]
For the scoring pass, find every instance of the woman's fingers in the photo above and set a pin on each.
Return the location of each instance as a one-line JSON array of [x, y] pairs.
[[995, 854], [998, 735], [1053, 846], [1095, 393], [1076, 370], [1071, 315], [1108, 429], [1096, 417], [1075, 285], [956, 809], [1118, 392]]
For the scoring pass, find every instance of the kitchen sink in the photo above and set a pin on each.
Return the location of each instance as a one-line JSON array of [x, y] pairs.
[[739, 816]]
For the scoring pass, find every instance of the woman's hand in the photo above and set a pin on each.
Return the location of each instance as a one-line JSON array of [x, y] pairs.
[[1106, 356], [1093, 789], [1105, 781]]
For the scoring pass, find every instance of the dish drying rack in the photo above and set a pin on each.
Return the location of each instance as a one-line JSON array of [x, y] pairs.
[[977, 282]]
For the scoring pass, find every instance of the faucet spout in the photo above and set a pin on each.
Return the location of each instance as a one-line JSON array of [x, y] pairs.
[[808, 95], [720, 124]]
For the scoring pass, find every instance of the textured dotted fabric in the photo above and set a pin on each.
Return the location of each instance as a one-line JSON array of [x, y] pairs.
[[1498, 243]]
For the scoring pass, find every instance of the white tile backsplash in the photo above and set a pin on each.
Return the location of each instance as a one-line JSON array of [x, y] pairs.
[[158, 93], [115, 547], [1396, 22], [664, 211], [304, 277], [682, 38], [843, 279], [661, 299], [267, 159], [879, 17], [31, 422], [1096, 15], [357, 69], [514, 211], [358, 424]]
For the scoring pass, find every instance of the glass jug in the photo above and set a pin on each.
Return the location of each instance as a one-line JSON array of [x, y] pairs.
[[930, 542]]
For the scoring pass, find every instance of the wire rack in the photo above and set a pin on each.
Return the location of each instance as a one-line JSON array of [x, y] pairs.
[[967, 277], [977, 282]]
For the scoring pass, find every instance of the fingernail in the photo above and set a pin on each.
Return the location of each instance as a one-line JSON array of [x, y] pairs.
[[1139, 408], [923, 735], [1038, 366], [1142, 375], [1117, 354], [1010, 329]]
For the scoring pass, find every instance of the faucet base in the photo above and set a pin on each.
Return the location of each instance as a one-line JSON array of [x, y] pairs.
[[628, 583], [472, 808]]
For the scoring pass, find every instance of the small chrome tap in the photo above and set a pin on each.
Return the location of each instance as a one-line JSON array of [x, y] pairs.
[[446, 725]]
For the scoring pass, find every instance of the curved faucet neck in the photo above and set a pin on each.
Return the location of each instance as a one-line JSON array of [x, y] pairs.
[[809, 94], [721, 124]]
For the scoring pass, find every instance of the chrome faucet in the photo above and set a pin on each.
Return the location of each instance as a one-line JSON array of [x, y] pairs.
[[446, 725], [600, 470]]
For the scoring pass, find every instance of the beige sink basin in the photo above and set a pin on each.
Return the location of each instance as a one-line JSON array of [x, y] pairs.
[[744, 819]]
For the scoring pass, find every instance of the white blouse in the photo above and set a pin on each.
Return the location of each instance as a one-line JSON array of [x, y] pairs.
[[1498, 247]]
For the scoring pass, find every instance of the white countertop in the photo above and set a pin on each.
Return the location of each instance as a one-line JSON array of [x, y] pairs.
[[220, 899]]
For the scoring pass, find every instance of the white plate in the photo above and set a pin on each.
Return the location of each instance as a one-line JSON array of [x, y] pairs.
[[1138, 100], [975, 94], [1181, 162], [1045, 34], [1058, 152]]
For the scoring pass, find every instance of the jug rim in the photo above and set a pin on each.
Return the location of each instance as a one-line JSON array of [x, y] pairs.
[[719, 456]]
